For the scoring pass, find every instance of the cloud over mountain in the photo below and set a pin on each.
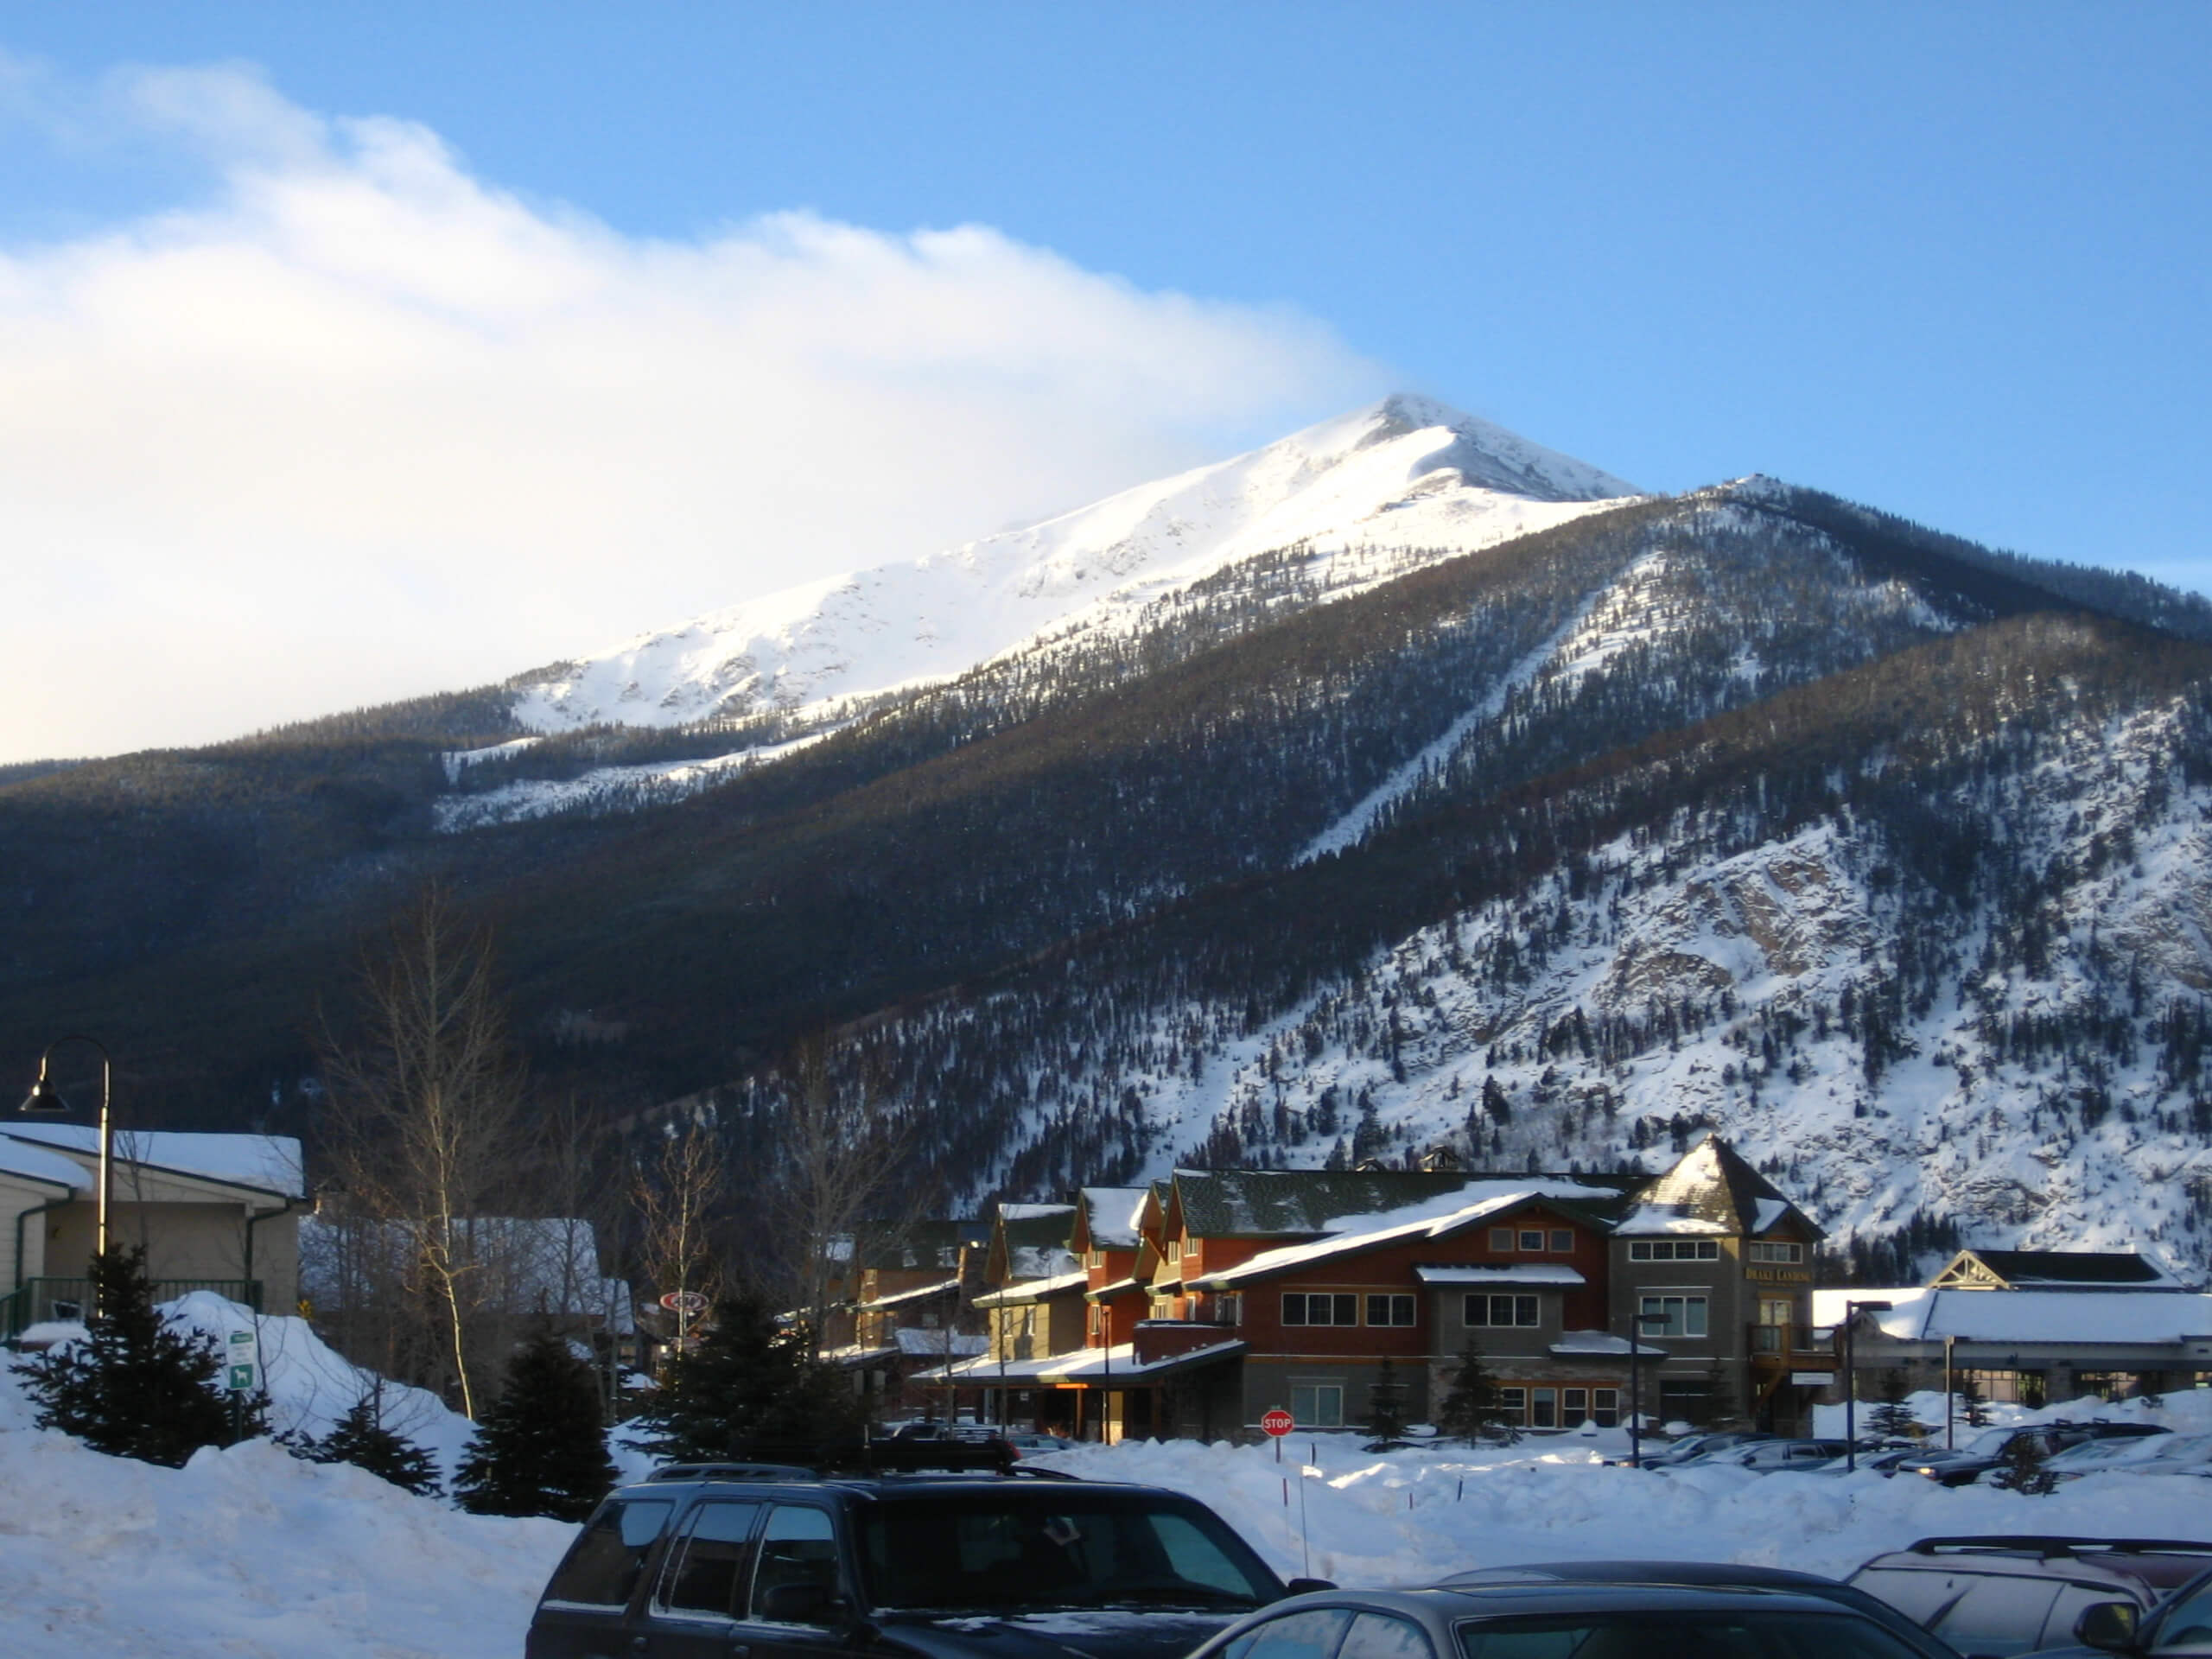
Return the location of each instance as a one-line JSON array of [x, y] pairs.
[[357, 423]]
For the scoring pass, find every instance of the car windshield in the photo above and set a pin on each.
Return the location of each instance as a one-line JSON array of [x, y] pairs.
[[1052, 1547], [1640, 1633], [1989, 1443]]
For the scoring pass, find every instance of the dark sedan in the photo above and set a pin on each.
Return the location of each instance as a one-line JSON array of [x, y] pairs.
[[1555, 1620]]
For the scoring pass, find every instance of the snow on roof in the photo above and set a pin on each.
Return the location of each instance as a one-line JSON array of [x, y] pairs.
[[1112, 1214], [1767, 1211], [18, 1159], [1034, 1211], [1078, 1364], [1038, 1261], [271, 1163], [546, 1264], [1648, 1218], [1572, 1343], [1034, 1290], [1526, 1273], [938, 1345], [918, 1293], [1919, 1314], [1428, 1218]]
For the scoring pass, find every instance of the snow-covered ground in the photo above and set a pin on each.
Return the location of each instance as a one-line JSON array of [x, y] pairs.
[[249, 1553]]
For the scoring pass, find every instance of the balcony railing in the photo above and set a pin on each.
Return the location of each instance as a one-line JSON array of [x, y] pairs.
[[42, 1302]]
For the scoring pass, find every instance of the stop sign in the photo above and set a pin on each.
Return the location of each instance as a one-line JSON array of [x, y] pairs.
[[1277, 1422]]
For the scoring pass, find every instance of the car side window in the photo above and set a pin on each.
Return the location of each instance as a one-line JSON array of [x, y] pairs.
[[798, 1546], [602, 1565], [1311, 1634], [1378, 1636], [2187, 1626], [707, 1564]]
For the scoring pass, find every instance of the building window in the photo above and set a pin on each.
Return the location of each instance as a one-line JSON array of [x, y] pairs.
[[1501, 1238], [1163, 1308], [1390, 1310], [1574, 1407], [1318, 1405], [1094, 1259], [1674, 1249], [1532, 1238], [1605, 1407], [1562, 1239], [1229, 1307], [1174, 1250], [1513, 1405], [1674, 1316], [1543, 1408], [1313, 1308], [1759, 1251], [1501, 1310]]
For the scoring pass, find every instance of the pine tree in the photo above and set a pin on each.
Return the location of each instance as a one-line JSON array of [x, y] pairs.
[[361, 1438], [1472, 1409], [1893, 1419], [135, 1386], [1972, 1404], [2022, 1470], [749, 1382], [541, 1449], [1386, 1407]]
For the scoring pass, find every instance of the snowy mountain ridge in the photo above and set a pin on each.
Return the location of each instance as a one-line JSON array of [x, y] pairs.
[[1403, 473]]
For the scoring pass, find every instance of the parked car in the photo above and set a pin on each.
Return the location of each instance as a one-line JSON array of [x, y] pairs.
[[1987, 1449], [2182, 1622], [2006, 1595], [1710, 1574], [2140, 1454], [781, 1561], [1697, 1446], [1540, 1620], [1769, 1457], [1038, 1445], [1883, 1461]]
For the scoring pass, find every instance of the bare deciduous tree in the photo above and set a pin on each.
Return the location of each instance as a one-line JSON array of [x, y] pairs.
[[677, 1194], [843, 1174], [426, 1132]]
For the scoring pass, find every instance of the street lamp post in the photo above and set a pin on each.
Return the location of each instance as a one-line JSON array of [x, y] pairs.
[[1851, 1311], [1636, 1322], [43, 1102]]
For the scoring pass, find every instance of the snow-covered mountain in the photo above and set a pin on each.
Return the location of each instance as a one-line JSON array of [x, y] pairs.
[[1405, 473]]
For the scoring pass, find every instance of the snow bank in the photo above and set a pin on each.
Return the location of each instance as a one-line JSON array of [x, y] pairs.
[[1414, 1515], [249, 1554]]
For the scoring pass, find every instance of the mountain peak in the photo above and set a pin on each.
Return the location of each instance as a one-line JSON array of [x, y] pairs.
[[1406, 474]]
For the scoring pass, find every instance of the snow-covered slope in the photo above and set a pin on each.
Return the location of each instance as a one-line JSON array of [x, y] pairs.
[[1406, 472]]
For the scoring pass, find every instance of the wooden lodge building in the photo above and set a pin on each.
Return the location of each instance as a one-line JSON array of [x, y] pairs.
[[1191, 1306]]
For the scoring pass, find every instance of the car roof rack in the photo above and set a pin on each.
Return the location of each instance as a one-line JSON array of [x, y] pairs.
[[2049, 1547], [786, 1460]]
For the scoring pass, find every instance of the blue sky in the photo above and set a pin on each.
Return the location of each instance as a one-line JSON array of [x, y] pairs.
[[1948, 260]]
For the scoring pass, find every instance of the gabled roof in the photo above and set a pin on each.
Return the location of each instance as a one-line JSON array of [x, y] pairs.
[[924, 1244], [1107, 1218], [2054, 1270], [1438, 1216], [1029, 1241], [265, 1163], [1712, 1190], [1300, 1203]]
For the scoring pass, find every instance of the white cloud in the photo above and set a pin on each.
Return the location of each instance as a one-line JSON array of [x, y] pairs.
[[361, 425]]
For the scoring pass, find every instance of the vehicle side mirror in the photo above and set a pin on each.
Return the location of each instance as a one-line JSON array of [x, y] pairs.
[[1307, 1586], [2106, 1625], [797, 1603]]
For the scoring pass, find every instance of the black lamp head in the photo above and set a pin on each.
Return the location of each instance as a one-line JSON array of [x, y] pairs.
[[42, 1100]]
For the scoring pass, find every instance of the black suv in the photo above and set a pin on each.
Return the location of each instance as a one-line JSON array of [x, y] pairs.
[[776, 1561], [1987, 1449]]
